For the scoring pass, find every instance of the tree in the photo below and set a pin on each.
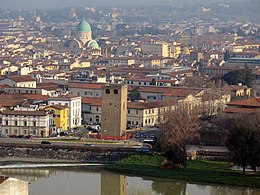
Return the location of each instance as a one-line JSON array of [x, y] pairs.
[[179, 127], [239, 76], [243, 140], [134, 94]]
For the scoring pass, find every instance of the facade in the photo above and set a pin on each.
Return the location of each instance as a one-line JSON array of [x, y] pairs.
[[85, 89], [19, 81], [59, 116], [157, 49], [114, 110], [145, 114], [25, 121], [74, 108], [237, 91]]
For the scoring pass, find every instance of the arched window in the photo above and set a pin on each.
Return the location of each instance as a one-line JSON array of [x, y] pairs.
[[115, 91], [97, 119], [107, 91]]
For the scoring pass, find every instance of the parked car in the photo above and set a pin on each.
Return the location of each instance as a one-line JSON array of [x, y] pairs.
[[27, 137], [88, 144], [20, 136], [45, 142], [12, 136]]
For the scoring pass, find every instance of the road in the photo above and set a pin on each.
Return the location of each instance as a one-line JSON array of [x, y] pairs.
[[58, 142]]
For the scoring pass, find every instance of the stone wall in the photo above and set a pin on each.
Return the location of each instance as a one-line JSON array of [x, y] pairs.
[[91, 155]]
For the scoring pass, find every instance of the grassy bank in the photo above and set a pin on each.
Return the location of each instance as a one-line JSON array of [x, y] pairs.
[[197, 171]]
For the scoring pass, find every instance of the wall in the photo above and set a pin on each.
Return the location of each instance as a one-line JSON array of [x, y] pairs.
[[77, 153]]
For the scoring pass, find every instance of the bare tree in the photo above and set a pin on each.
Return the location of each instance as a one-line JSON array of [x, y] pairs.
[[179, 127]]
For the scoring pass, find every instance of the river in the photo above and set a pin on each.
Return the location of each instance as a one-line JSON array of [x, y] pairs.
[[35, 179]]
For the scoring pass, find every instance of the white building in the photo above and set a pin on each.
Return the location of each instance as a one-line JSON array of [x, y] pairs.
[[25, 121]]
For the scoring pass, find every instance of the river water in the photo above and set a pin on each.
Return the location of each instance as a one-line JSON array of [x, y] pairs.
[[52, 180]]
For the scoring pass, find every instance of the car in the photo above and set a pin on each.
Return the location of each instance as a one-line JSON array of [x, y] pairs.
[[12, 136], [88, 144], [45, 142], [27, 137], [20, 136]]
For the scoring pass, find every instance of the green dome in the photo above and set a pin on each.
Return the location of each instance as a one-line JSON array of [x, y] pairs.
[[84, 26], [94, 45]]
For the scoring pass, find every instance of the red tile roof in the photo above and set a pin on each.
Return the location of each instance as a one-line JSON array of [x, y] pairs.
[[25, 113], [86, 85], [233, 88], [91, 101], [242, 110], [251, 102], [24, 78]]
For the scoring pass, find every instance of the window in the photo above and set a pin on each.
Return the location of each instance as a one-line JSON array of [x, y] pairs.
[[25, 132], [115, 91], [128, 111], [107, 91], [97, 119], [6, 122], [15, 131], [34, 123], [136, 112], [97, 108], [90, 119], [16, 123], [24, 123]]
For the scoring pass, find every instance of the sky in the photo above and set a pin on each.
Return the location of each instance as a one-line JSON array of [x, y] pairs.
[[45, 4]]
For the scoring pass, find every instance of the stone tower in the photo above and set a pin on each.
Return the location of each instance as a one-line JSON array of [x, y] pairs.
[[113, 110]]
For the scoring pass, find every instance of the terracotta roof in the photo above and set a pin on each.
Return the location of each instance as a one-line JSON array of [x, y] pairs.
[[234, 88], [11, 103], [48, 86], [251, 102], [36, 97], [64, 97], [86, 85], [153, 89], [242, 110], [24, 78], [182, 92], [12, 96], [91, 101], [25, 113]]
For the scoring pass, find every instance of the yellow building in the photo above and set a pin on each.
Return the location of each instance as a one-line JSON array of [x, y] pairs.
[[175, 49], [60, 116]]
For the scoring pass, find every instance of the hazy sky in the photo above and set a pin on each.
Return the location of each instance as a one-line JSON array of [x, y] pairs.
[[17, 4]]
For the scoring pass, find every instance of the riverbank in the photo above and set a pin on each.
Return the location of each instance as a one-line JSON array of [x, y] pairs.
[[197, 171], [35, 160]]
